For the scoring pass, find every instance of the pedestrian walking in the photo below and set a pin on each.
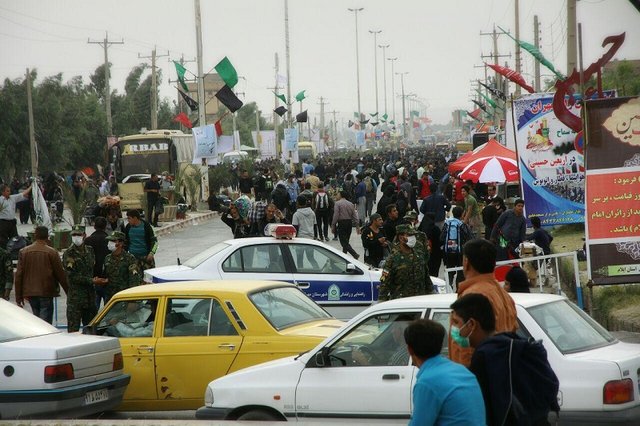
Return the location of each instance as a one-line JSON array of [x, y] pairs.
[[322, 206], [152, 189], [39, 276], [141, 240], [455, 233], [509, 231], [345, 218], [79, 261], [120, 267], [8, 223], [6, 274], [471, 215], [374, 242]]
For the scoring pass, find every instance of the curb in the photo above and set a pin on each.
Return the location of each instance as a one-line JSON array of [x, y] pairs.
[[196, 218]]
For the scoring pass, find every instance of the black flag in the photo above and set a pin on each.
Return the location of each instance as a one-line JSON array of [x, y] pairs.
[[495, 92], [480, 105], [302, 117], [364, 122], [351, 123], [280, 110], [229, 99], [193, 105]]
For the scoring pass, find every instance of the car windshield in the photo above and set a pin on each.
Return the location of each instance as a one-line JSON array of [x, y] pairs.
[[196, 260], [570, 329], [287, 306], [20, 324]]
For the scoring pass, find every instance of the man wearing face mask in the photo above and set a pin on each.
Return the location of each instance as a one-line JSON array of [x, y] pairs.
[[405, 271], [478, 263], [78, 261], [120, 267]]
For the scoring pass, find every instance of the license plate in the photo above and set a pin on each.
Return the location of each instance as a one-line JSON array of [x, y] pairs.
[[96, 396]]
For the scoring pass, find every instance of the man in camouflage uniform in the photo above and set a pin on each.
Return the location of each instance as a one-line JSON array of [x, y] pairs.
[[120, 267], [405, 271], [6, 274], [78, 261]]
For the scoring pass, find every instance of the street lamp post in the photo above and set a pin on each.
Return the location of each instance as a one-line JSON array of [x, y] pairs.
[[355, 12], [375, 62], [404, 124], [393, 87], [384, 73]]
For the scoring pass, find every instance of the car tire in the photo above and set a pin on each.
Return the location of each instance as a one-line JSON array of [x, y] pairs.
[[260, 415]]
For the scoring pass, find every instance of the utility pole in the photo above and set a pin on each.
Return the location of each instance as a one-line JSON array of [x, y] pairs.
[[276, 117], [375, 62], [154, 87], [288, 58], [322, 104], [107, 95], [202, 117], [181, 101], [384, 48], [536, 40], [518, 64], [404, 127], [572, 55], [32, 133], [355, 12], [393, 87], [335, 129]]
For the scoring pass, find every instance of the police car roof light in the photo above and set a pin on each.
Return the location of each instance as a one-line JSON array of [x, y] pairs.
[[280, 231]]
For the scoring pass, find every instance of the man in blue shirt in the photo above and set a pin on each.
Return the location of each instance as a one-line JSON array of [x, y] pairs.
[[445, 393]]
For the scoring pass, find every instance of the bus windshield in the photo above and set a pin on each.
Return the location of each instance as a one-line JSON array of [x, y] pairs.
[[144, 156]]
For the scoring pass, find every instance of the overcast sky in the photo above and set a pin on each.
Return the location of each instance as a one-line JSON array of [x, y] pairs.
[[437, 42]]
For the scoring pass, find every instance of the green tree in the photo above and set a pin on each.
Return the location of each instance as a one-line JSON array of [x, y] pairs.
[[622, 77]]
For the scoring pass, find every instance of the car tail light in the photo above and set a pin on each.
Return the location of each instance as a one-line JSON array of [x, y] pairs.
[[58, 373], [618, 391], [118, 364]]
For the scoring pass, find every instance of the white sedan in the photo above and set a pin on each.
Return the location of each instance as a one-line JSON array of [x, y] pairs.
[[598, 374], [47, 373], [340, 284]]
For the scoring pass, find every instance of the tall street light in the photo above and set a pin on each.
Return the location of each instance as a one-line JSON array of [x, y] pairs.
[[404, 124], [355, 12], [393, 87], [384, 74], [375, 62]]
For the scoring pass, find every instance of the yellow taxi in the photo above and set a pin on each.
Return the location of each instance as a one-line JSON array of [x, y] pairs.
[[177, 337]]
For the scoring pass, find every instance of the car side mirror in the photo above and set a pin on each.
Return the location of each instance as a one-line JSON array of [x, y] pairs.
[[322, 358], [353, 269]]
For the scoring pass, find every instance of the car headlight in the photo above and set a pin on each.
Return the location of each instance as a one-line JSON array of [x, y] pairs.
[[208, 397]]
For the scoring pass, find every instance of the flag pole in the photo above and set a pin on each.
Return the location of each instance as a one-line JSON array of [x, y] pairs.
[[32, 133], [515, 140]]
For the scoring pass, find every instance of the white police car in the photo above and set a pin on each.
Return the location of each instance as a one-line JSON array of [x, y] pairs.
[[342, 285]]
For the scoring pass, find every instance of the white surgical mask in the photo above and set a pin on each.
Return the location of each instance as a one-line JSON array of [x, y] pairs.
[[76, 240], [411, 240], [111, 245]]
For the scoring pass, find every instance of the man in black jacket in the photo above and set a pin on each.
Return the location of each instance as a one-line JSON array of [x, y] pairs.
[[518, 384], [98, 241]]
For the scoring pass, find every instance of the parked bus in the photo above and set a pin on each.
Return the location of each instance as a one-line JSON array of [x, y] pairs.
[[306, 150]]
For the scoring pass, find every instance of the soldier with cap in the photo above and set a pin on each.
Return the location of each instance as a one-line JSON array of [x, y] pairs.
[[78, 261], [120, 267], [405, 271]]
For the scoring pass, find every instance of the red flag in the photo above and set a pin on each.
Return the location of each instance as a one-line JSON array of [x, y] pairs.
[[511, 75], [183, 119], [218, 128]]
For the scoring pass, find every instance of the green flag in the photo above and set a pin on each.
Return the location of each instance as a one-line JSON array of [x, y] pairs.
[[385, 116], [535, 52], [392, 122], [486, 98], [180, 70], [227, 72], [415, 113], [281, 97], [300, 96]]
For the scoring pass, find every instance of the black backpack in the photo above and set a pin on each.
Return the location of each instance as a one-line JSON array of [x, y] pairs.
[[16, 244]]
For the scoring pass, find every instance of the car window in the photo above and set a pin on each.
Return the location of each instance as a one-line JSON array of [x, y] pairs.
[[317, 260], [377, 341], [442, 317], [196, 317], [129, 318], [570, 329], [196, 260], [18, 323], [287, 306], [263, 258]]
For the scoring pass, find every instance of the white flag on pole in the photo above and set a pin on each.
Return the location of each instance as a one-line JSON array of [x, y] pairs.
[[40, 207]]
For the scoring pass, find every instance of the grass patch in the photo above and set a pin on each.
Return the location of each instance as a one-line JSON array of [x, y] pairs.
[[616, 306]]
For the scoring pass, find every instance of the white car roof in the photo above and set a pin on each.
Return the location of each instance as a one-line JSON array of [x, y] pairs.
[[525, 300]]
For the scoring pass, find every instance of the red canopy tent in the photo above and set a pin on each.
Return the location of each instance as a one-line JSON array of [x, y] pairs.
[[493, 148]]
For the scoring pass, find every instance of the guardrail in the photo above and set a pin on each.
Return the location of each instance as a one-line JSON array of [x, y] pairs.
[[543, 271]]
